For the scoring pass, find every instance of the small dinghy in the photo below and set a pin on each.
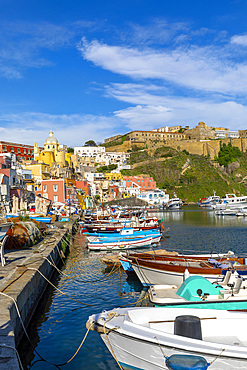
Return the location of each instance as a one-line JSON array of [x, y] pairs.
[[174, 338]]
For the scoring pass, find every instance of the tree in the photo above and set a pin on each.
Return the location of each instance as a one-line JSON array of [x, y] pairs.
[[70, 150], [228, 154], [90, 143]]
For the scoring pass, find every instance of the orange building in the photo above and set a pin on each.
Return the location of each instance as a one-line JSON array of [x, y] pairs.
[[144, 183]]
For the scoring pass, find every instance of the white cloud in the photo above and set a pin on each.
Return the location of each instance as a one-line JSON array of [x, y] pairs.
[[151, 110], [239, 40], [184, 112], [71, 130], [206, 69]]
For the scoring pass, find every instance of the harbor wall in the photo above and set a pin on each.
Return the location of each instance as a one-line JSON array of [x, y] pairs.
[[26, 286]]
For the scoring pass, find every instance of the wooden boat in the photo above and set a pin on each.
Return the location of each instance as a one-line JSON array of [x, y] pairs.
[[117, 225], [127, 243], [198, 292], [125, 232], [172, 272], [163, 255], [113, 261], [173, 338]]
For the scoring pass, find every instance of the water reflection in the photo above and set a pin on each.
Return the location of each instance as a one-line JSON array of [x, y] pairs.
[[60, 324]]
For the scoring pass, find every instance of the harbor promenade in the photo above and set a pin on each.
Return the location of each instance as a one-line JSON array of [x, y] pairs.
[[23, 280]]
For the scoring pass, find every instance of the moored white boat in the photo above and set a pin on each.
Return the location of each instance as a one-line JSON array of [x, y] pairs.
[[198, 292], [174, 338], [231, 201], [172, 271], [210, 201], [126, 243], [174, 203]]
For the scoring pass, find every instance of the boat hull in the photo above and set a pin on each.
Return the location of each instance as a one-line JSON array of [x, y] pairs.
[[145, 344], [150, 276], [121, 245]]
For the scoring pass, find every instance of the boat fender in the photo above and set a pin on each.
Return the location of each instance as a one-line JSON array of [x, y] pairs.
[[186, 362]]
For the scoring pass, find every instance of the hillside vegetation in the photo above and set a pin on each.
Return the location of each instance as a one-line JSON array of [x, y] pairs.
[[192, 177]]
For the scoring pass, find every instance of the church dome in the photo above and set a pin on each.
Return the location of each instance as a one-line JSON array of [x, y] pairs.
[[51, 139]]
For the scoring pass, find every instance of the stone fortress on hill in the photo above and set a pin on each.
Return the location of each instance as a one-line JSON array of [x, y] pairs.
[[202, 140]]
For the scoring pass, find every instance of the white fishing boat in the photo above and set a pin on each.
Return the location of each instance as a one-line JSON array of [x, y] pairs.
[[174, 203], [227, 212], [198, 292], [173, 338], [127, 243], [231, 201], [173, 271], [210, 201]]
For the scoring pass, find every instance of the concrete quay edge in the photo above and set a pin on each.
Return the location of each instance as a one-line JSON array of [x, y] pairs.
[[20, 279]]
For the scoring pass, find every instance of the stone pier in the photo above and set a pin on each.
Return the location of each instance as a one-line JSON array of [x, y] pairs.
[[21, 280]]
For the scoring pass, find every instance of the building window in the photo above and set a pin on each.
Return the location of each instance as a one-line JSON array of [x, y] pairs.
[[19, 150], [44, 187], [12, 149], [24, 151], [55, 198], [28, 151], [5, 148], [55, 187]]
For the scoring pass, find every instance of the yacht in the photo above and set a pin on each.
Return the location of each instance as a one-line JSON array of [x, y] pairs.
[[231, 201], [210, 201], [174, 203]]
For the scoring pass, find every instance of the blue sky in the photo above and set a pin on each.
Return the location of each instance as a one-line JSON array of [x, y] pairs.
[[93, 69]]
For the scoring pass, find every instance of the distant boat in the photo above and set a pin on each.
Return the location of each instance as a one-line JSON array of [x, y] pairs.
[[174, 203], [231, 201], [153, 338], [210, 201]]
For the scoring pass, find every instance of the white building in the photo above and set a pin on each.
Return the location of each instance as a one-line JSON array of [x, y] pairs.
[[154, 197], [226, 134], [88, 151], [107, 158]]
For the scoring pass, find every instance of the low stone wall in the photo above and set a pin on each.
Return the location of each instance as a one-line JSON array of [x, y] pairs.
[[25, 284]]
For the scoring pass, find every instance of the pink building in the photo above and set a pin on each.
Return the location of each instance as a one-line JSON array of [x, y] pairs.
[[113, 192], [145, 183], [83, 185], [54, 190]]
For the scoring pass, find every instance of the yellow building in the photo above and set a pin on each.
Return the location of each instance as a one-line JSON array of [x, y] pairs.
[[39, 170], [51, 153], [113, 176]]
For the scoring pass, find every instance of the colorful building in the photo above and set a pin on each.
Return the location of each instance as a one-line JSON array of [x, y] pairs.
[[143, 183], [21, 151], [113, 176], [113, 192], [54, 190]]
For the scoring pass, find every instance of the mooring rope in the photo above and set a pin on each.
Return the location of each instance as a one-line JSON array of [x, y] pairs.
[[28, 338], [17, 354]]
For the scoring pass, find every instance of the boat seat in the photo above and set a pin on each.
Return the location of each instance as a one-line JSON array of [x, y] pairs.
[[235, 288], [226, 278]]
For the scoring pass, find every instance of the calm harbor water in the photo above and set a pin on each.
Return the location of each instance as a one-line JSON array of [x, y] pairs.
[[59, 324]]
